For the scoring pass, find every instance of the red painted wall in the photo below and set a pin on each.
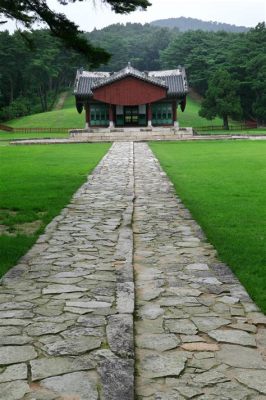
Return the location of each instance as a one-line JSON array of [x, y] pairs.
[[129, 92]]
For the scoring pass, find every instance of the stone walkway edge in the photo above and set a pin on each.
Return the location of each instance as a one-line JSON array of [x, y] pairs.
[[123, 298]]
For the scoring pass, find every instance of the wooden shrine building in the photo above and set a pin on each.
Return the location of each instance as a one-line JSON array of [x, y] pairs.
[[131, 98]]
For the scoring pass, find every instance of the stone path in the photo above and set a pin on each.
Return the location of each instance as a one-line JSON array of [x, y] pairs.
[[66, 311]]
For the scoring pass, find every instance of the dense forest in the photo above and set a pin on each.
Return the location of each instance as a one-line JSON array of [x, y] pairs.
[[193, 24], [31, 78], [35, 67], [139, 44]]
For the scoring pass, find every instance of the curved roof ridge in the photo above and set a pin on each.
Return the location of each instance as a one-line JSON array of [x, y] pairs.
[[129, 71]]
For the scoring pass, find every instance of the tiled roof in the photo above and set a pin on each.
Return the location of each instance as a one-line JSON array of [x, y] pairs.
[[174, 80], [128, 71]]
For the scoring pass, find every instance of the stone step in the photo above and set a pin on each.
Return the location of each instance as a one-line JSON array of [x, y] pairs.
[[128, 138], [130, 132]]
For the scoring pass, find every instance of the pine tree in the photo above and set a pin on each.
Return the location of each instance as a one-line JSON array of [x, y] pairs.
[[221, 98]]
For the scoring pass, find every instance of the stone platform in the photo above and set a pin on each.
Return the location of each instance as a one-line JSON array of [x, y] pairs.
[[130, 134], [123, 298]]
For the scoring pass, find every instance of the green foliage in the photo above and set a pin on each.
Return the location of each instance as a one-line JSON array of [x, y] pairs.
[[36, 183], [243, 55], [200, 52], [224, 186], [221, 98], [248, 64], [139, 44], [19, 107], [31, 80]]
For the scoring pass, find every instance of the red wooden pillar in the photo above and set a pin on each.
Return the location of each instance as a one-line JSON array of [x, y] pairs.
[[175, 121], [88, 116], [111, 116], [149, 114]]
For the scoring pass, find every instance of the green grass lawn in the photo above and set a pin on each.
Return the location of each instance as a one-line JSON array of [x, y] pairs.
[[7, 136], [67, 117], [36, 183], [224, 186], [240, 132], [190, 116]]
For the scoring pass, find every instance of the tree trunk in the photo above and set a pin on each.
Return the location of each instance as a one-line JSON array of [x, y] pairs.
[[45, 100], [50, 83], [11, 93], [41, 98], [225, 121]]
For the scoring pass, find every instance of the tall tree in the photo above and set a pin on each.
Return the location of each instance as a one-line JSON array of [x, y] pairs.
[[30, 80], [200, 52], [221, 98], [30, 11]]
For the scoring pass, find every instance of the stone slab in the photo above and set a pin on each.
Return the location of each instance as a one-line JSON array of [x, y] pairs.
[[120, 334], [16, 354], [79, 385], [162, 365]]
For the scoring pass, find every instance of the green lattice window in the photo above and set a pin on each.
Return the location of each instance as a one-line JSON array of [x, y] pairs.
[[99, 115], [162, 114]]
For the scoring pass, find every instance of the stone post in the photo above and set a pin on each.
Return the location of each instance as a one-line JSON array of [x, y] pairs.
[[111, 116], [149, 115], [88, 116], [175, 121]]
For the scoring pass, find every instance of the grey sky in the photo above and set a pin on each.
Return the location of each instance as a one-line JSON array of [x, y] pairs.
[[92, 14]]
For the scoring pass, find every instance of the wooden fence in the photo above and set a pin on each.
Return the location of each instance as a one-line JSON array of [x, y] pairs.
[[6, 128], [34, 130], [236, 127]]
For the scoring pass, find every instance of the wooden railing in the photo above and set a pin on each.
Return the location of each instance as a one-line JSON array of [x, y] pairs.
[[236, 127], [33, 130], [6, 128]]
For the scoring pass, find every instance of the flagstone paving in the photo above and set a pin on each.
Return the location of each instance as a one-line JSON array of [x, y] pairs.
[[66, 311]]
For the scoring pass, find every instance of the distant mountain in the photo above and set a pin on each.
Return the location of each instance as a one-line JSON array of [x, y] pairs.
[[186, 24]]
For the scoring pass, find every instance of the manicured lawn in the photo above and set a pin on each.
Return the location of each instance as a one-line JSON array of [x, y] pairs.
[[36, 183], [7, 136], [224, 186], [240, 132]]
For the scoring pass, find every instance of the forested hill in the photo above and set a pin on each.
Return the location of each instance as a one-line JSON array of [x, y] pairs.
[[184, 24], [137, 43]]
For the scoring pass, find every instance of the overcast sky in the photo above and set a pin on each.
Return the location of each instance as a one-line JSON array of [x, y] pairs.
[[92, 14]]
